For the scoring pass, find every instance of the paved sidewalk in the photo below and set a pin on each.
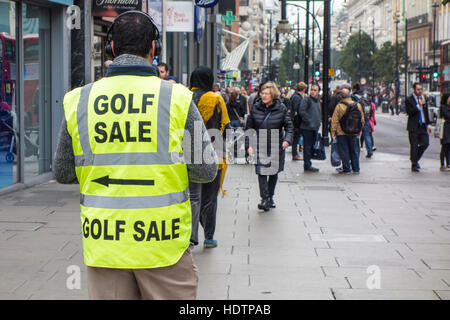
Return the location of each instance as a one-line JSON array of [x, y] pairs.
[[318, 243]]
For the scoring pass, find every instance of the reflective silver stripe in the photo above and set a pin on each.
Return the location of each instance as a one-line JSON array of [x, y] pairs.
[[82, 119], [134, 202], [165, 98], [113, 159]]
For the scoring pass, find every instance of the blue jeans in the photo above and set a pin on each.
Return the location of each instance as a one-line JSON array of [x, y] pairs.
[[309, 139], [366, 135], [235, 123], [349, 151]]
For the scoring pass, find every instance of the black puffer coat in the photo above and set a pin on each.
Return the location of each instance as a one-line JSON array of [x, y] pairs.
[[268, 161]]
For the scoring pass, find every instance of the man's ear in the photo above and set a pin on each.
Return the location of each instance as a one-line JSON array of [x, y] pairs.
[[151, 53]]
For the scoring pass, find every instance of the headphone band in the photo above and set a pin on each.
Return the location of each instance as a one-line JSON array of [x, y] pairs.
[[111, 28]]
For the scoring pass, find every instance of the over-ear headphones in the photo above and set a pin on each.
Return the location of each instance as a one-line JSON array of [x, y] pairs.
[[108, 47]]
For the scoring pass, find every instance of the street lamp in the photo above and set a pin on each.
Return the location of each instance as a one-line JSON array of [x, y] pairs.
[[435, 6], [397, 74]]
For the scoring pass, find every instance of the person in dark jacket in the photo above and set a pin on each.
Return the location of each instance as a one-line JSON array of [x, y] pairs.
[[418, 125], [235, 111], [296, 101], [274, 133], [445, 141], [311, 114], [203, 196]]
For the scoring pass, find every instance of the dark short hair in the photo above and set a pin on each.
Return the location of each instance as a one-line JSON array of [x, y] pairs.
[[357, 86], [417, 84], [133, 34], [164, 65], [316, 85]]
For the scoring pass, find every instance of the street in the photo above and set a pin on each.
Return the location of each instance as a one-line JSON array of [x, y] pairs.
[[384, 234], [391, 136]]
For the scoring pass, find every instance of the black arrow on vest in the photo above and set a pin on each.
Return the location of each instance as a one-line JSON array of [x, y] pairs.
[[106, 181]]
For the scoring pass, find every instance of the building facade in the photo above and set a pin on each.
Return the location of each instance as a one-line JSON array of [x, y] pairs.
[[35, 74]]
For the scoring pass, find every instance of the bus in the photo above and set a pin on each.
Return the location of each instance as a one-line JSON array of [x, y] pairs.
[[31, 71], [445, 68]]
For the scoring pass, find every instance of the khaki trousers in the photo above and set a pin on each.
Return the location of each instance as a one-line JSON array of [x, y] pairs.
[[177, 282]]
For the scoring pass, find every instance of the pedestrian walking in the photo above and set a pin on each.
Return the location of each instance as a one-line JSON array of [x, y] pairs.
[[418, 125], [346, 126], [274, 133], [296, 101], [203, 196], [120, 141], [311, 115], [445, 141], [235, 110], [163, 70], [252, 97]]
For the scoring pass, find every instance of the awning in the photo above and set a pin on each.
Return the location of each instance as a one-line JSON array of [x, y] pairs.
[[63, 2], [233, 59]]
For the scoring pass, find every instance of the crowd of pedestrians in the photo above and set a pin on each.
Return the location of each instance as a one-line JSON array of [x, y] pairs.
[[282, 118]]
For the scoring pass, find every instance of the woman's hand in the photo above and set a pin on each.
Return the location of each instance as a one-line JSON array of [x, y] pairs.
[[250, 150], [285, 145]]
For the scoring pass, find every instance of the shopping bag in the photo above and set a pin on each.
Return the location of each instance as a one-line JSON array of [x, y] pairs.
[[319, 149], [439, 129], [335, 157]]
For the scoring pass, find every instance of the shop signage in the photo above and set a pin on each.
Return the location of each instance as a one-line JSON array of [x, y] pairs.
[[206, 3], [179, 16], [200, 22], [155, 11], [112, 8]]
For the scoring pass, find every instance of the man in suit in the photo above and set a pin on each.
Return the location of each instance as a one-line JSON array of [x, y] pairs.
[[418, 125]]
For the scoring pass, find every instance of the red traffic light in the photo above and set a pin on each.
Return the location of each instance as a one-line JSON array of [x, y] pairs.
[[423, 76]]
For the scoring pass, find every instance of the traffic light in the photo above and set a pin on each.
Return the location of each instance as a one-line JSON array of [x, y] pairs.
[[317, 69], [423, 77], [435, 75]]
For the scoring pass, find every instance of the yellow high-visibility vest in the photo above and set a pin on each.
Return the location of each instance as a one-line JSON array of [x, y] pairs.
[[127, 132]]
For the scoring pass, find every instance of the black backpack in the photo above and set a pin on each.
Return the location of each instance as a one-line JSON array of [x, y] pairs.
[[351, 122], [365, 104]]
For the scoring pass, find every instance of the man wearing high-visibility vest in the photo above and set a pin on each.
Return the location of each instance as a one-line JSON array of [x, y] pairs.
[[122, 139]]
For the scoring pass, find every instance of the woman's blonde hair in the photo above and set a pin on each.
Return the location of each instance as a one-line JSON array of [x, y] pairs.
[[274, 92]]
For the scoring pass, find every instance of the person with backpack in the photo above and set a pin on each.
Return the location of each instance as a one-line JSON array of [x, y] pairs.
[[296, 101], [358, 96], [346, 125]]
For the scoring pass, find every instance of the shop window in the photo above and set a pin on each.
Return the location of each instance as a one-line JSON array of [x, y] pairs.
[[9, 130], [37, 90]]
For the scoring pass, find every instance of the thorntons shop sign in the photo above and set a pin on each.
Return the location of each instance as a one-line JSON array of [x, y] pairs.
[[112, 8]]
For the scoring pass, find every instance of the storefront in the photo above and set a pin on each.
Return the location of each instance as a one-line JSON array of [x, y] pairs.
[[34, 66]]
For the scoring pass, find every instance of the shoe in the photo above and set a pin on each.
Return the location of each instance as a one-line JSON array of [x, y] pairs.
[[369, 155], [210, 243], [297, 158], [339, 170], [345, 172], [418, 165], [374, 149], [264, 205], [311, 169], [443, 169], [272, 203], [415, 169], [356, 172]]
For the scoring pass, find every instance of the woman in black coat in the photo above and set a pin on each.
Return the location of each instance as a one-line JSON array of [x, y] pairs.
[[445, 141], [274, 133]]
